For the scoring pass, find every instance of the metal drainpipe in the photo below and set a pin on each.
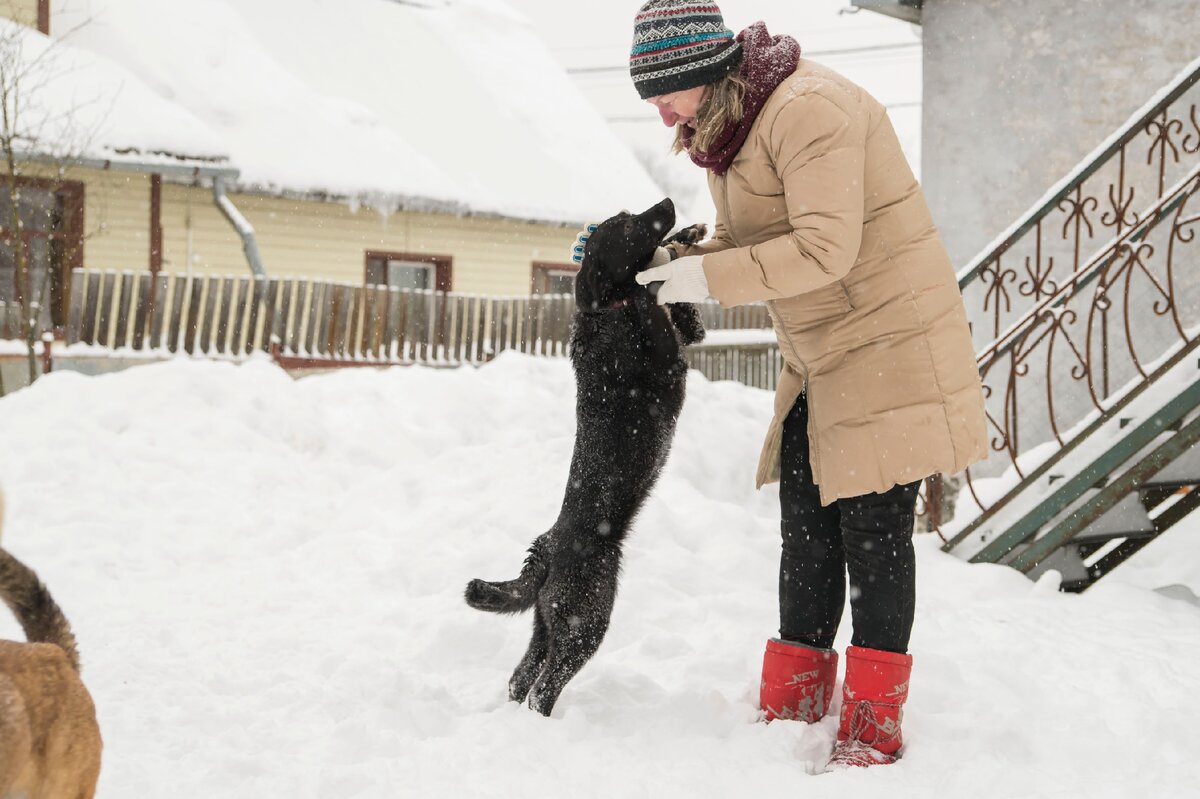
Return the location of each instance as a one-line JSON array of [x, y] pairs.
[[240, 224], [192, 172]]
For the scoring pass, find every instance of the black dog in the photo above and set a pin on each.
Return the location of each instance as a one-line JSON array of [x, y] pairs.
[[627, 354]]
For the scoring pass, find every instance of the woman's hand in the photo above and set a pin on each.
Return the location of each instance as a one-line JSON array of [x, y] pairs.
[[661, 255], [580, 241], [682, 280]]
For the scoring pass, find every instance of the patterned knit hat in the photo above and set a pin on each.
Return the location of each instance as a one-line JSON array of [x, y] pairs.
[[679, 45]]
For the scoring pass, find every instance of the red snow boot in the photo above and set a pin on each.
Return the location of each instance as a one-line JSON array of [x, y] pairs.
[[797, 681], [872, 707]]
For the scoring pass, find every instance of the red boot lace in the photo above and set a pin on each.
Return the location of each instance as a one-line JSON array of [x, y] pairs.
[[854, 751]]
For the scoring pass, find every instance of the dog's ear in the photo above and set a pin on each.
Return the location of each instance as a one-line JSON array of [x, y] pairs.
[[591, 281]]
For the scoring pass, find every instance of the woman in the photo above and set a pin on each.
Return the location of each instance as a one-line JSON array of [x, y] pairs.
[[818, 214]]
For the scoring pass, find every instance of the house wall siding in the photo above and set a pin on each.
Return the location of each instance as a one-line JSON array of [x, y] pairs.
[[23, 11], [305, 238]]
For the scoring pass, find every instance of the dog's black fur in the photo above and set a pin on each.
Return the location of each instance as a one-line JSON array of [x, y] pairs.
[[627, 354]]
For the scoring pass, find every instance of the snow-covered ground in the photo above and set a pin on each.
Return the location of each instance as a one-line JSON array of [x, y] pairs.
[[265, 577]]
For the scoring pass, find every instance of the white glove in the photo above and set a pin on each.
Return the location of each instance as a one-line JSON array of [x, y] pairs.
[[661, 254], [683, 280]]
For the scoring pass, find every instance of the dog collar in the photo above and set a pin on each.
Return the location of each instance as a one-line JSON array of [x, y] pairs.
[[616, 306]]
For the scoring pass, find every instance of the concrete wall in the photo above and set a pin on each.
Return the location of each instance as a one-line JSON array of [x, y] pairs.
[[1016, 92]]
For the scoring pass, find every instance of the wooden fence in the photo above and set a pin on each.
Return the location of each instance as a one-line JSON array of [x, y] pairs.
[[313, 324], [10, 321]]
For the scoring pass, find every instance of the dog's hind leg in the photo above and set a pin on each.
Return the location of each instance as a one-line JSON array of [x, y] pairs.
[[531, 664], [576, 629]]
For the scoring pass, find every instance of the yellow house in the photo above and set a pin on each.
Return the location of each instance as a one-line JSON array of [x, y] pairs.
[[414, 144]]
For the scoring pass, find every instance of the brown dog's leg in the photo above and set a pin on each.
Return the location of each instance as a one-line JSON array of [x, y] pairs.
[[16, 739]]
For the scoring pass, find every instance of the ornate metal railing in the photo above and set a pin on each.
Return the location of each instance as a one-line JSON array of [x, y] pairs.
[[1085, 299]]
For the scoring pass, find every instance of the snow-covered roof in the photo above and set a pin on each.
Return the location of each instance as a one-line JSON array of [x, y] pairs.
[[439, 103], [69, 101]]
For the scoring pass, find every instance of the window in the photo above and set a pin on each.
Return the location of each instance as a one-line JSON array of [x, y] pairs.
[[404, 271], [401, 274], [554, 278], [51, 236]]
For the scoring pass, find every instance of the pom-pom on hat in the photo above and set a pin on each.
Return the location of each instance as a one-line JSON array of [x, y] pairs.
[[679, 45]]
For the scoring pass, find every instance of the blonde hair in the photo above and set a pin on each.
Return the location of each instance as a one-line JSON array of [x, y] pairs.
[[722, 105]]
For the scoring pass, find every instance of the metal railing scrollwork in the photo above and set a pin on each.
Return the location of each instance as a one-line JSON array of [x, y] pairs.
[[1086, 299]]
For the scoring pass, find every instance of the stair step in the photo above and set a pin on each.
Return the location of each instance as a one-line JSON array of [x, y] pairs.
[[1128, 518], [1184, 471], [1065, 561]]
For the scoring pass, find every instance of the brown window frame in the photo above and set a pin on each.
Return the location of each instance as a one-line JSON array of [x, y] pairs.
[[71, 234], [542, 269], [443, 265]]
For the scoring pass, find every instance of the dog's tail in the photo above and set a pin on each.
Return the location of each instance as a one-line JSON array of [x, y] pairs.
[[512, 596], [36, 611]]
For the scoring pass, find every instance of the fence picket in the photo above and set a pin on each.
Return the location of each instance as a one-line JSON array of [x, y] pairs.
[[314, 308], [441, 316], [158, 314], [124, 297], [237, 331], [209, 311], [75, 313], [297, 341], [392, 327], [471, 329], [258, 289], [354, 314], [367, 342], [142, 310], [104, 315], [283, 321], [91, 304], [267, 293], [223, 318], [191, 333], [324, 315]]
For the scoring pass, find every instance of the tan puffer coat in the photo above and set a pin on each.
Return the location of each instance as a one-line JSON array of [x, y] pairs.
[[820, 216]]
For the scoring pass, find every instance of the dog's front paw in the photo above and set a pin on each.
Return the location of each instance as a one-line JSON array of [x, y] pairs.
[[686, 318], [692, 234]]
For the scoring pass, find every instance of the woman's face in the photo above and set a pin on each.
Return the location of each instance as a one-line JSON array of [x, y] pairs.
[[679, 108]]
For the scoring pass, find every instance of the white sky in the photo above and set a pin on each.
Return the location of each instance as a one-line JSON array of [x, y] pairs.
[[880, 53], [265, 577]]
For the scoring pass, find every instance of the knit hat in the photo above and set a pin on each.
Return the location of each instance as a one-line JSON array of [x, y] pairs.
[[679, 45]]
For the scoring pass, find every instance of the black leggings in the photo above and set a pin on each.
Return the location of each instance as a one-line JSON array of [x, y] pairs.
[[869, 536]]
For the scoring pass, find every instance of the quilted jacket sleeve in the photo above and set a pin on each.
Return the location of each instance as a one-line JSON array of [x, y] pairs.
[[818, 151]]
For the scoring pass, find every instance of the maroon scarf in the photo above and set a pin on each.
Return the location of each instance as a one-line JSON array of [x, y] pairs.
[[766, 61]]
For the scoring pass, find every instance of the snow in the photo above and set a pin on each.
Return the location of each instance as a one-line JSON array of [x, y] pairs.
[[74, 102], [725, 338], [265, 576], [433, 105]]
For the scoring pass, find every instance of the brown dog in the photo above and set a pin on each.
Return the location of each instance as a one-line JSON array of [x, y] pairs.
[[49, 738]]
